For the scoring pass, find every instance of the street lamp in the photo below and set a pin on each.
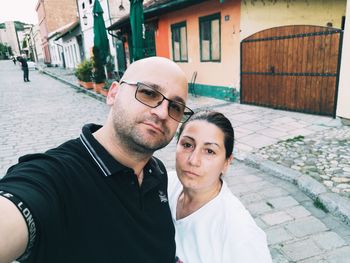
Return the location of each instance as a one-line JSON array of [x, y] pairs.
[[84, 19]]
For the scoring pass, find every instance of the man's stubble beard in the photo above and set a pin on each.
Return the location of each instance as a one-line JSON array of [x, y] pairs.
[[133, 138]]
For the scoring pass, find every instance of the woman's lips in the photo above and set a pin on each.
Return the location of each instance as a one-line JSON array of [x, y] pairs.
[[191, 174]]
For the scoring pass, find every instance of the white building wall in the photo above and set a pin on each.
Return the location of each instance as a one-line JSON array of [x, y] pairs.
[[37, 43], [55, 50], [9, 37], [71, 53], [260, 15], [87, 30], [343, 106]]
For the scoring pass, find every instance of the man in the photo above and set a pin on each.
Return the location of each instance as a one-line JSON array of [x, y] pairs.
[[23, 61], [101, 197]]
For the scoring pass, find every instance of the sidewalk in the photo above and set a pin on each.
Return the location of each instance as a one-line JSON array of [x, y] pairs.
[[45, 112]]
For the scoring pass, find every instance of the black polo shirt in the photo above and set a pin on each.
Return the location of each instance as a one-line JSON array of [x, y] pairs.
[[81, 205]]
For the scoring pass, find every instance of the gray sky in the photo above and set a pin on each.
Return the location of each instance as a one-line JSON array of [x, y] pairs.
[[18, 10]]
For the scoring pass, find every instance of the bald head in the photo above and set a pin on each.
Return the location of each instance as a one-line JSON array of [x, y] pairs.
[[161, 71], [154, 65]]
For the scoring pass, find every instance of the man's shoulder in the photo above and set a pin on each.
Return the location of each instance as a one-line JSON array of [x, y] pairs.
[[50, 157], [67, 148]]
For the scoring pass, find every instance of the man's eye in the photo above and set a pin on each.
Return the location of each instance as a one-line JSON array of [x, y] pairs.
[[148, 93], [176, 107]]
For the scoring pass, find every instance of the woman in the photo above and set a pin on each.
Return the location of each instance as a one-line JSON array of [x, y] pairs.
[[211, 224]]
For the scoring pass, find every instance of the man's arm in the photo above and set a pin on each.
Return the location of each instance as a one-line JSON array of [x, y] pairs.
[[13, 231]]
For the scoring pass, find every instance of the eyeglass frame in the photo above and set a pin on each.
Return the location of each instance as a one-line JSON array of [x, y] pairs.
[[189, 113]]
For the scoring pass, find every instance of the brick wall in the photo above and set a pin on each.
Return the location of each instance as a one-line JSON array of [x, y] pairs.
[[59, 13]]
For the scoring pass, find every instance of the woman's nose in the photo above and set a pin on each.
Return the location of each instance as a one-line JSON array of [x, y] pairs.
[[194, 158]]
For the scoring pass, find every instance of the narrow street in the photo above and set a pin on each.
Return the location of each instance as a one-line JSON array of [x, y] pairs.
[[43, 113], [40, 114]]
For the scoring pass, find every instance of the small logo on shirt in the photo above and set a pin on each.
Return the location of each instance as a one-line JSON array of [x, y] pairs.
[[162, 197]]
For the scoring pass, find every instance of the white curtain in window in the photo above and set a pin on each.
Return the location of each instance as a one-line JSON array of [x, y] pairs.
[[183, 43], [215, 40], [176, 51]]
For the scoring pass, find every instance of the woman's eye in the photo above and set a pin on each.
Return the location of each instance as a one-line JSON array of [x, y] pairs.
[[186, 145], [210, 151]]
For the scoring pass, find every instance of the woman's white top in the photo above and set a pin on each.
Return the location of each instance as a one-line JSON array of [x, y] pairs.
[[221, 231]]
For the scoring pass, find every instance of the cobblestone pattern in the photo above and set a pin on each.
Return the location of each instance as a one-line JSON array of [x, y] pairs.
[[324, 155], [44, 113], [297, 231], [40, 114]]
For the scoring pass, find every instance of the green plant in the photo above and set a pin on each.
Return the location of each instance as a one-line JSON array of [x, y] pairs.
[[98, 71], [298, 138], [108, 84], [320, 205], [84, 71]]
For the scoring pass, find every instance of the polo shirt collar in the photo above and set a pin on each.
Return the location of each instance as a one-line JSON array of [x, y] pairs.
[[107, 164]]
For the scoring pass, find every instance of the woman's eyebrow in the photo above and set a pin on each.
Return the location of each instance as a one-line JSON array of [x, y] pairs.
[[206, 143], [188, 137], [212, 143]]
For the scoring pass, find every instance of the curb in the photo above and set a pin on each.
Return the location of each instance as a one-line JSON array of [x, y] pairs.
[[335, 204], [77, 87]]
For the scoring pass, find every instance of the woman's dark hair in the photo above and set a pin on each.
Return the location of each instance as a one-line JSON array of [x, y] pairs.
[[220, 121]]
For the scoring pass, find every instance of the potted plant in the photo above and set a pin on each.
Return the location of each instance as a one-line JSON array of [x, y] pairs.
[[84, 72], [98, 71]]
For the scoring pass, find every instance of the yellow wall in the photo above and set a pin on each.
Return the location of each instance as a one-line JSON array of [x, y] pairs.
[[257, 16], [343, 106], [226, 72]]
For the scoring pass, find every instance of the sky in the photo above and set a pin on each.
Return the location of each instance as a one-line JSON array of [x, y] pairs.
[[18, 10]]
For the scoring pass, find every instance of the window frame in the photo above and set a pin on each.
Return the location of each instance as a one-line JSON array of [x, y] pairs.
[[178, 26], [216, 16]]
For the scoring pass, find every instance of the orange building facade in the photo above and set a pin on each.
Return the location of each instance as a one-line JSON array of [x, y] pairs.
[[218, 77]]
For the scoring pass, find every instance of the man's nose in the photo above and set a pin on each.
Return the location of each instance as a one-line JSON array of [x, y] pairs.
[[161, 110]]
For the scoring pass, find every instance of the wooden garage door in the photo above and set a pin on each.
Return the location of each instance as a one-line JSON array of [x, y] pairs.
[[292, 67]]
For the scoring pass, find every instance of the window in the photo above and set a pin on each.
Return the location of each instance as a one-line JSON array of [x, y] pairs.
[[209, 34], [83, 5], [90, 2], [179, 40]]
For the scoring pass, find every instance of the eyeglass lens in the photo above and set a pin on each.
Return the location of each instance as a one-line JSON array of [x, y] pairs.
[[154, 98]]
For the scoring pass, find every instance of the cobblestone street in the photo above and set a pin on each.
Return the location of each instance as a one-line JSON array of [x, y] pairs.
[[45, 112]]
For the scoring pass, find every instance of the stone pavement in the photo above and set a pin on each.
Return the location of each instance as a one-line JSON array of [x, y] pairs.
[[44, 113]]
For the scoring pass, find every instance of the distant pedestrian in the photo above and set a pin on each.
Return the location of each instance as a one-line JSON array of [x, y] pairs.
[[14, 60], [23, 60]]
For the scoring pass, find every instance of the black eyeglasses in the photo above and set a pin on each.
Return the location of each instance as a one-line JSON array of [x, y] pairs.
[[153, 98]]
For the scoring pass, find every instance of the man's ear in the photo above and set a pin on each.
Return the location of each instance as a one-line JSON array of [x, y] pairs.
[[112, 92]]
